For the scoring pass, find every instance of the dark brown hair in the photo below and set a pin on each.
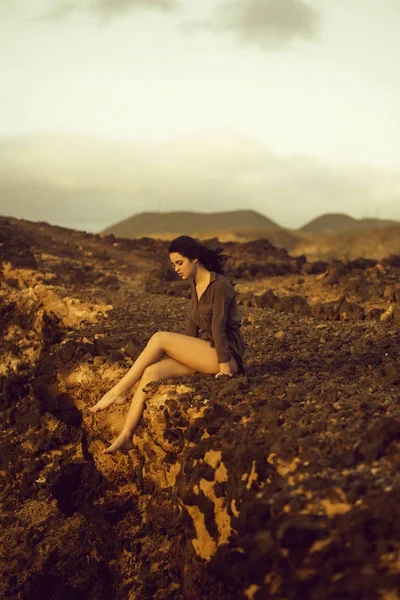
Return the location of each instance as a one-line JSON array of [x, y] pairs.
[[212, 259]]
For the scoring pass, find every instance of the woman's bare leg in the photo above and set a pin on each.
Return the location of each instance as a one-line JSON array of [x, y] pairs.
[[113, 396], [155, 372], [190, 351], [118, 394]]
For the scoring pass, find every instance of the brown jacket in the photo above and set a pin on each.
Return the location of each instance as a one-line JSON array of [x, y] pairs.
[[215, 318]]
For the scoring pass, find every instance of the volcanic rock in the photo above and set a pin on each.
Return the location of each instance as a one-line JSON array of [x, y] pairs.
[[279, 483]]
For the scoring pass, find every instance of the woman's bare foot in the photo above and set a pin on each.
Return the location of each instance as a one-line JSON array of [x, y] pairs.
[[112, 397], [123, 442]]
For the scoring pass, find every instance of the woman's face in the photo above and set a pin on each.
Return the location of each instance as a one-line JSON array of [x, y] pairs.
[[183, 266]]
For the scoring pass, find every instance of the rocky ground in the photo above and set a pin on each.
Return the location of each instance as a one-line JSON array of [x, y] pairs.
[[280, 484]]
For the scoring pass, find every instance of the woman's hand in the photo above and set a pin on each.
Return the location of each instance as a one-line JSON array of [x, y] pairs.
[[221, 373], [224, 369]]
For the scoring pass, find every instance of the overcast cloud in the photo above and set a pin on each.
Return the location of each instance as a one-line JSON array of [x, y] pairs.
[[106, 9], [268, 24], [137, 108], [90, 184]]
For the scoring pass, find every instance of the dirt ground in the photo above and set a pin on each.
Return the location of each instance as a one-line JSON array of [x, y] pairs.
[[280, 484]]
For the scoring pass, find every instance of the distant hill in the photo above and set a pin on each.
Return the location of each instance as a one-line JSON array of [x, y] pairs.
[[180, 223], [375, 243], [281, 238], [339, 223]]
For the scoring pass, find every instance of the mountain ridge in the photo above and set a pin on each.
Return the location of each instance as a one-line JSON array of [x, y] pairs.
[[237, 222], [340, 222], [189, 221]]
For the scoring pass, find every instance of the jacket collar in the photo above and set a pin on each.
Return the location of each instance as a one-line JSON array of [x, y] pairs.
[[213, 277]]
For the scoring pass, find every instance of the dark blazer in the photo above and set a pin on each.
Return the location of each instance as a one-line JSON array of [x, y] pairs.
[[215, 318]]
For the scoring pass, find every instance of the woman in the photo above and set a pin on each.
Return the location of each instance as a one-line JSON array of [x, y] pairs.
[[212, 342]]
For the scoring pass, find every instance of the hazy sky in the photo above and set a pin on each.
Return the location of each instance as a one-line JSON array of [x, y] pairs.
[[289, 107]]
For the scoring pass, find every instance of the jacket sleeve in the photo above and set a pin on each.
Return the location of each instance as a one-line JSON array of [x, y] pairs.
[[191, 328], [222, 298]]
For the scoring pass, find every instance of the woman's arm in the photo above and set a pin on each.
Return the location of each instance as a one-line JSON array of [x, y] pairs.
[[191, 328], [223, 296]]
